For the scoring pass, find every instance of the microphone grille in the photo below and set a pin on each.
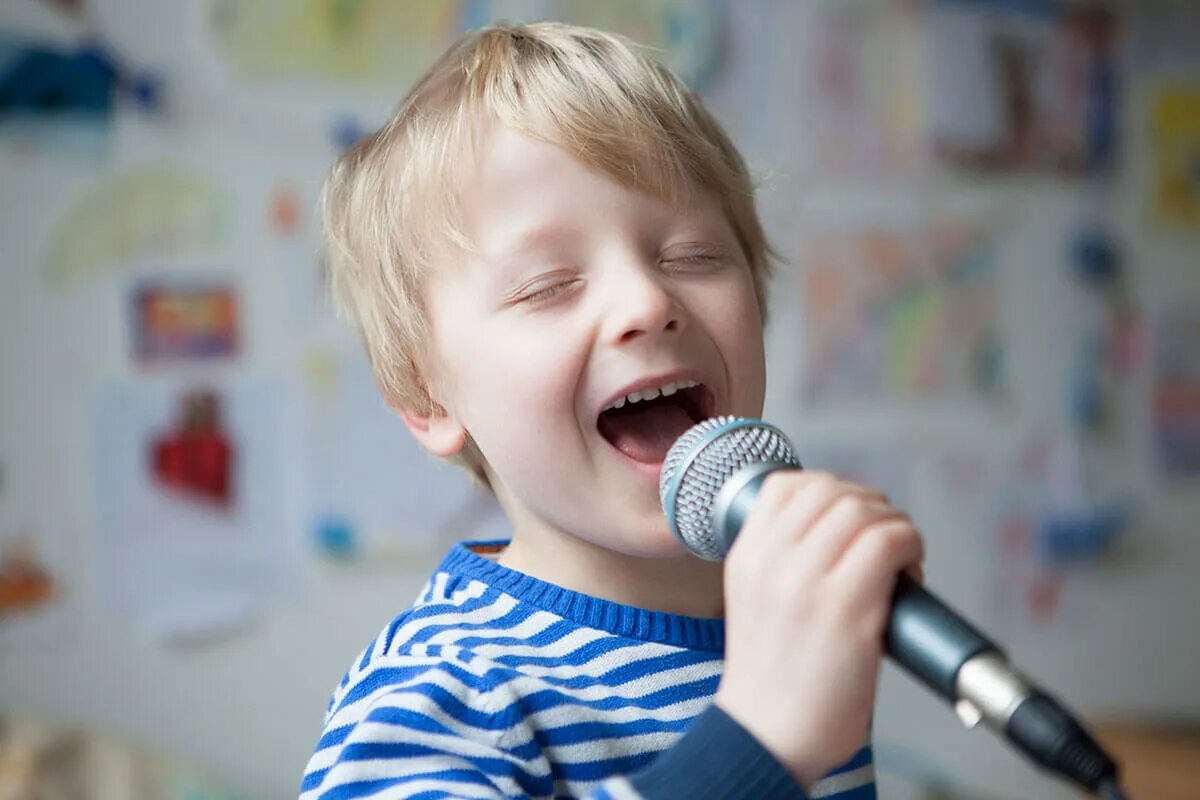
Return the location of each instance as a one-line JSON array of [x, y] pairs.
[[700, 462]]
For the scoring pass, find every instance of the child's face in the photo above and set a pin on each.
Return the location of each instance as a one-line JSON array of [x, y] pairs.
[[581, 291]]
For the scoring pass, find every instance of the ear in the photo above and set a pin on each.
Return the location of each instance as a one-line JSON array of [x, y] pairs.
[[438, 432]]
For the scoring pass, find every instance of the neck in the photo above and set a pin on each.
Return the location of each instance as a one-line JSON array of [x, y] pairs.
[[676, 584]]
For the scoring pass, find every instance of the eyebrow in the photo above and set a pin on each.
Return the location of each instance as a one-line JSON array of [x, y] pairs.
[[530, 239]]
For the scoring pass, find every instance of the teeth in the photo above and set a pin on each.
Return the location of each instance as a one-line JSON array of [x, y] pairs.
[[649, 394]]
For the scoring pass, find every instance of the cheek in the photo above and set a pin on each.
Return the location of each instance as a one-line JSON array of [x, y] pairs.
[[513, 381], [741, 333]]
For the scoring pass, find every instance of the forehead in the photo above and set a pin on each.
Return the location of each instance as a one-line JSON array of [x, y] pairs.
[[520, 190]]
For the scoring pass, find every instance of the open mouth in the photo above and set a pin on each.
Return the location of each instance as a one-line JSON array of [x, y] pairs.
[[645, 429]]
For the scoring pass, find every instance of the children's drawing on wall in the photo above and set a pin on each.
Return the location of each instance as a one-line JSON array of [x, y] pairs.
[[31, 589], [900, 312], [192, 486], [1175, 146], [1112, 338], [62, 90], [26, 583], [1022, 86], [51, 95], [184, 321], [863, 97], [33, 611], [390, 44], [156, 213], [194, 457], [1176, 393], [1045, 525]]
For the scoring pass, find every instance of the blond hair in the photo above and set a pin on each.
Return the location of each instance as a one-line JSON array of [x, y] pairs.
[[389, 202]]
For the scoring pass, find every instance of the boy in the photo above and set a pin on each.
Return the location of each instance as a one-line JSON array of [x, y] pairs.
[[553, 256]]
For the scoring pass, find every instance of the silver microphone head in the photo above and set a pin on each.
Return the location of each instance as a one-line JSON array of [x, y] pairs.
[[700, 463]]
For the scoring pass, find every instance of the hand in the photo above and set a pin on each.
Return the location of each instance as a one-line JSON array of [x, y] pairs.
[[808, 586]]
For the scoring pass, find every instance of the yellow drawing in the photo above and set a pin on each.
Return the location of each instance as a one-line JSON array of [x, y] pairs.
[[150, 211], [1175, 137], [390, 44]]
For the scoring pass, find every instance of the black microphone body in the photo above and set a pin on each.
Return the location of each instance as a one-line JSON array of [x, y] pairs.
[[923, 635]]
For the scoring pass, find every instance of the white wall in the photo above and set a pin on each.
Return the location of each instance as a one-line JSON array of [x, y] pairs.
[[247, 707]]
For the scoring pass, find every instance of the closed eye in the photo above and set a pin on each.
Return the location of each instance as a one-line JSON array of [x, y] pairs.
[[537, 296], [695, 262], [549, 293]]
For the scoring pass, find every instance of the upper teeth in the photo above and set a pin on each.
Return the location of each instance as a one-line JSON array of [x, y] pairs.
[[665, 390]]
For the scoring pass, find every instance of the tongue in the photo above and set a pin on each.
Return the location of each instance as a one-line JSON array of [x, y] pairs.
[[645, 434]]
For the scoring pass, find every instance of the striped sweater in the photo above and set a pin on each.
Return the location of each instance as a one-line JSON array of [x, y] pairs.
[[498, 685]]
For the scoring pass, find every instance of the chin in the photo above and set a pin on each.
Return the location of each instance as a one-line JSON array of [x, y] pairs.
[[654, 543]]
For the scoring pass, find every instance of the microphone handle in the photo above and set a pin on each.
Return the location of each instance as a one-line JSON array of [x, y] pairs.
[[929, 639], [951, 657]]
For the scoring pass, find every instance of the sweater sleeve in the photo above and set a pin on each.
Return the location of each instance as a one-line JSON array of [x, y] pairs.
[[717, 759]]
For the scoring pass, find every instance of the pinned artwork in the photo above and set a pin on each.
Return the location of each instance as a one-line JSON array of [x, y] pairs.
[[193, 456], [192, 485], [184, 321], [1175, 147], [863, 95], [1045, 526], [391, 44], [1026, 85], [151, 213], [25, 581], [1176, 392], [900, 312]]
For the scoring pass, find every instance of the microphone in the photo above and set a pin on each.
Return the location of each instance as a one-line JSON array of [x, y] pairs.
[[710, 479]]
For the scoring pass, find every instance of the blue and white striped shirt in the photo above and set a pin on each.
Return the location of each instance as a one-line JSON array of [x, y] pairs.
[[498, 685]]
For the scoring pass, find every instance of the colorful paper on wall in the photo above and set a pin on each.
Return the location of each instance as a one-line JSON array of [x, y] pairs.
[[900, 312], [1175, 145], [186, 321], [1177, 391], [118, 223], [192, 481], [391, 44], [864, 100], [1028, 85]]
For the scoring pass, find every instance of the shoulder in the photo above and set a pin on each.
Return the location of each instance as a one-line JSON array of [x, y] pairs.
[[433, 713], [420, 647], [420, 698]]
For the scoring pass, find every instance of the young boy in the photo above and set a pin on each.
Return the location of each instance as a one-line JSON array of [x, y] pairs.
[[554, 259]]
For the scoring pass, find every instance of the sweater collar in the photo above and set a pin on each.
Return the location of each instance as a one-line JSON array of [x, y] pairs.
[[694, 633]]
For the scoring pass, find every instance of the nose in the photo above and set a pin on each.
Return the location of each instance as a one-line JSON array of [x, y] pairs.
[[641, 304]]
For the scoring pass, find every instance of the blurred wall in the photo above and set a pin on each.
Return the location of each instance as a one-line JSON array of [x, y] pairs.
[[246, 704]]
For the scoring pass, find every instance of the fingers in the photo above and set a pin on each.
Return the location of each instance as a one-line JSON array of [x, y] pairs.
[[793, 501], [808, 524], [871, 562], [789, 505], [847, 518], [818, 511]]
